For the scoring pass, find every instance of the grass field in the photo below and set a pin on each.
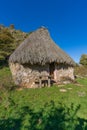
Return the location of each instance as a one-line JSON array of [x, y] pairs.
[[62, 107]]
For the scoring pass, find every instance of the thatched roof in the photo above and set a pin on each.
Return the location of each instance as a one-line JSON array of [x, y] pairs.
[[39, 48]]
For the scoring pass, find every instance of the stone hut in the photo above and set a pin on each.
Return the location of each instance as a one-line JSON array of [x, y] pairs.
[[38, 56]]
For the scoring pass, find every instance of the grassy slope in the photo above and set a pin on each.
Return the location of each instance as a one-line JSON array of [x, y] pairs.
[[6, 78], [38, 97], [11, 102]]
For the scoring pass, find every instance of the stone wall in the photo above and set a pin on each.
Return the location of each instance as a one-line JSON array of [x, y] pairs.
[[62, 71], [25, 75]]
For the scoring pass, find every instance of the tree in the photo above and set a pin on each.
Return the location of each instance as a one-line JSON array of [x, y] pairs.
[[6, 44], [83, 59], [10, 38]]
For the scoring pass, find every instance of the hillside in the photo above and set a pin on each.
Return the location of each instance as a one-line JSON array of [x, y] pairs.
[[10, 38]]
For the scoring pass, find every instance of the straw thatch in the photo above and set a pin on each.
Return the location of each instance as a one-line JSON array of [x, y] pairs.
[[39, 48]]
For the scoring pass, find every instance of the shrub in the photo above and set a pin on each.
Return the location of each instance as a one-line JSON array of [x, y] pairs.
[[49, 117], [6, 81], [81, 71], [83, 59]]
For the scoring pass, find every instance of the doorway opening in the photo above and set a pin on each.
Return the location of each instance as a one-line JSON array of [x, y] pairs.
[[51, 70]]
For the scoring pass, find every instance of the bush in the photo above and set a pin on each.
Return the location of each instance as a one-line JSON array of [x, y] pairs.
[[6, 81], [49, 117], [6, 44], [83, 59], [81, 71]]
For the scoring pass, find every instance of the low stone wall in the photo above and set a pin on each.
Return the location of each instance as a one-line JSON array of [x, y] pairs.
[[62, 71], [25, 75]]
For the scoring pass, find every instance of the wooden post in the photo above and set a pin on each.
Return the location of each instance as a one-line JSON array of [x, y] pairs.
[[40, 82], [49, 81]]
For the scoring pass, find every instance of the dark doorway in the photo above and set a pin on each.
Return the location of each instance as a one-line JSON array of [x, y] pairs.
[[51, 70]]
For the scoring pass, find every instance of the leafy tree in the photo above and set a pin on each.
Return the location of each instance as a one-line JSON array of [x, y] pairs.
[[10, 38], [83, 59], [6, 44]]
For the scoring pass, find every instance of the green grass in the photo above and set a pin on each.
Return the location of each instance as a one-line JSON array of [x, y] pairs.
[[6, 81], [17, 102], [5, 75], [36, 98], [82, 81]]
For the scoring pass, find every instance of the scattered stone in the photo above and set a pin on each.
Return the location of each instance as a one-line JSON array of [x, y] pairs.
[[63, 90], [69, 88], [61, 85], [66, 82], [80, 85], [81, 94]]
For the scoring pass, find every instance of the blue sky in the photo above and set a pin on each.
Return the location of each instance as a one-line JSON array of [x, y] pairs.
[[65, 19]]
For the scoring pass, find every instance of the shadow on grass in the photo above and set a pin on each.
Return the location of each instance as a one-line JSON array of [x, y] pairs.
[[50, 117], [3, 63]]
